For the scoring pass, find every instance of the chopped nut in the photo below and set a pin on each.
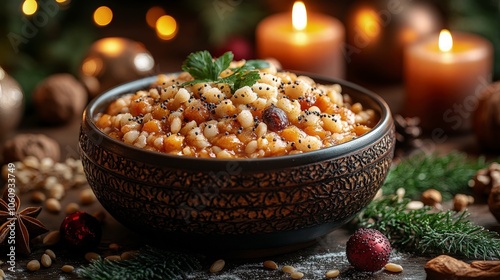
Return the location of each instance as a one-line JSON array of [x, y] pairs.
[[332, 273], [53, 205], [392, 267], [67, 268], [431, 197], [91, 256], [33, 265], [217, 266], [52, 238], [297, 275], [288, 269], [270, 265], [45, 260]]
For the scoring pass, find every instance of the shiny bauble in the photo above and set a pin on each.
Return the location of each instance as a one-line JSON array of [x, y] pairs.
[[113, 61], [379, 30], [81, 230], [11, 104]]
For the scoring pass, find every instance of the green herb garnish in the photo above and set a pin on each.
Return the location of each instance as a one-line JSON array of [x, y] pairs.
[[204, 69]]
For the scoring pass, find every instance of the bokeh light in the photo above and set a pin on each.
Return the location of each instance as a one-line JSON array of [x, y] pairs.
[[166, 27], [103, 16], [29, 7], [153, 14]]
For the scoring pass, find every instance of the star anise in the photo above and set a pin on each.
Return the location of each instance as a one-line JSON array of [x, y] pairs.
[[18, 228]]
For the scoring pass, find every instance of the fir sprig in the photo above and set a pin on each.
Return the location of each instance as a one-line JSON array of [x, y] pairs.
[[204, 68], [149, 263], [430, 233], [448, 174]]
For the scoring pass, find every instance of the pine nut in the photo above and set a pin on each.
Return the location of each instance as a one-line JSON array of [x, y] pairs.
[[46, 260], [51, 254], [87, 197], [288, 269], [67, 268], [113, 258], [270, 265], [297, 275], [37, 197], [114, 246], [33, 265], [332, 273], [91, 256], [53, 205], [72, 207], [392, 267], [2, 274], [217, 266], [52, 238], [128, 255]]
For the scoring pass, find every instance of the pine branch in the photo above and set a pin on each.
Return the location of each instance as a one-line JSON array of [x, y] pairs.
[[448, 174], [430, 233], [150, 263]]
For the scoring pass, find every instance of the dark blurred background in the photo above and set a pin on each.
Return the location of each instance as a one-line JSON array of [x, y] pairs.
[[58, 35]]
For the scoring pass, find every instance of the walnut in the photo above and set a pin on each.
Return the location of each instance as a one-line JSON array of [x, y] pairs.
[[494, 201], [37, 145], [431, 197], [446, 267], [59, 98], [484, 180], [486, 120]]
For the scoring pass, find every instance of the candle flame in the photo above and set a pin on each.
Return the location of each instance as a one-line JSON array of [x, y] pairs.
[[445, 41], [299, 16]]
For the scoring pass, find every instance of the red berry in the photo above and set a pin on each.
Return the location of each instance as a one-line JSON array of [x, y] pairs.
[[368, 250], [275, 118], [81, 230]]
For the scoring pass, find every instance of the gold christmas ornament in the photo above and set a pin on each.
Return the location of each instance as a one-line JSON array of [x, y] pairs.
[[113, 61], [11, 104]]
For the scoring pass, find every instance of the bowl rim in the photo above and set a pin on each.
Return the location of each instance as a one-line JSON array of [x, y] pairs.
[[125, 150]]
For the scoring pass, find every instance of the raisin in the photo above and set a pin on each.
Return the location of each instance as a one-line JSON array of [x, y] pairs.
[[275, 118]]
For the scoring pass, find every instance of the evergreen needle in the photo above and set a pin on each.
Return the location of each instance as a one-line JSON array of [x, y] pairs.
[[449, 174], [149, 263], [430, 233]]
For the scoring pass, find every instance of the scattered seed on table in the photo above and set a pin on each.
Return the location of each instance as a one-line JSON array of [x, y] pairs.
[[332, 273], [297, 275], [87, 197], [127, 255], [72, 207], [270, 265], [91, 256], [45, 260], [51, 254], [114, 246], [288, 269], [392, 267], [217, 266], [52, 238], [33, 265], [113, 258], [53, 205], [37, 197], [67, 268]]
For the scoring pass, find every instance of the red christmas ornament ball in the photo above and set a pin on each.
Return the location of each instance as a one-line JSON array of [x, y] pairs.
[[81, 230], [368, 250]]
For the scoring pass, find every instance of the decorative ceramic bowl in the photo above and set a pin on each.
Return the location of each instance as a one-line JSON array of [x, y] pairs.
[[240, 204]]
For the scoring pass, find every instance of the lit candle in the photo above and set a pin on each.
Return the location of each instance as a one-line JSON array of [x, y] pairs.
[[305, 42], [443, 77]]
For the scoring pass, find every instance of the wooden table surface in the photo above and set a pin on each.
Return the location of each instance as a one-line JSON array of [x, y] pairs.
[[327, 253]]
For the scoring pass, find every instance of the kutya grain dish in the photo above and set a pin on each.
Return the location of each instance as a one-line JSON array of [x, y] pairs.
[[226, 109]]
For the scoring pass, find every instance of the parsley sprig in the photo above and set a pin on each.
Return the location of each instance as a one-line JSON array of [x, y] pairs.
[[204, 69]]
